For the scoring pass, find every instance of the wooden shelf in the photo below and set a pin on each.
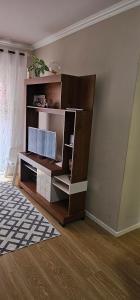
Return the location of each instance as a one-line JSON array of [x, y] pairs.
[[61, 207], [63, 183], [63, 178], [29, 186], [55, 111], [31, 168], [42, 80], [47, 163]]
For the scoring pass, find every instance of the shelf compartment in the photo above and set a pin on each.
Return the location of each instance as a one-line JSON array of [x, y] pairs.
[[31, 168], [63, 183], [61, 207], [62, 187], [28, 173], [63, 178], [52, 91], [28, 186], [58, 209]]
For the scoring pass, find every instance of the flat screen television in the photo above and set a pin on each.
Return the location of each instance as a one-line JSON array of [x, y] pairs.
[[42, 142]]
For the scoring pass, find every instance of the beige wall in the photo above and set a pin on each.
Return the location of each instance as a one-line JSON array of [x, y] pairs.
[[109, 49], [130, 203]]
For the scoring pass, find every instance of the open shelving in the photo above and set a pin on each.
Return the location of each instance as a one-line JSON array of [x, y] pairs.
[[63, 178], [60, 189], [62, 186]]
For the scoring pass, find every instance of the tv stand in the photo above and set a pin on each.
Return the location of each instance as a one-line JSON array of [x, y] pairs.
[[61, 190]]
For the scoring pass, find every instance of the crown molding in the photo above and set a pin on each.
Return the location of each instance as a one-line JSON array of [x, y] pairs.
[[107, 13], [14, 45]]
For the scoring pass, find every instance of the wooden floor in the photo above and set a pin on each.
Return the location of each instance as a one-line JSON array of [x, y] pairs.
[[85, 262]]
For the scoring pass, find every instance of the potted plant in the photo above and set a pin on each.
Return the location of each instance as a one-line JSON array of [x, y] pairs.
[[37, 66]]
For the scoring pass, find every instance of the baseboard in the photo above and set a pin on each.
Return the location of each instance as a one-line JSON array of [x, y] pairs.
[[128, 229], [108, 228]]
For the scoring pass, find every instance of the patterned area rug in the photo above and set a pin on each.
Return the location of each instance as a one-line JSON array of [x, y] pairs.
[[21, 224]]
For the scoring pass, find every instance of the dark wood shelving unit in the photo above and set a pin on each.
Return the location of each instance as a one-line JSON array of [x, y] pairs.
[[62, 191]]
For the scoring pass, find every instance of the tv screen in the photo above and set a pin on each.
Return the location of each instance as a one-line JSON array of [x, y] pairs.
[[42, 142]]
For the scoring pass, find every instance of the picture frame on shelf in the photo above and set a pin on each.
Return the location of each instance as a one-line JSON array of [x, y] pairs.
[[40, 101]]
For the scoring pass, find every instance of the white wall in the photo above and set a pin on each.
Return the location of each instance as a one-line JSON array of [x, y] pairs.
[[130, 203], [109, 49]]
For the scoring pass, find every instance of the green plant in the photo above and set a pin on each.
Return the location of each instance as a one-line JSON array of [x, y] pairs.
[[37, 66]]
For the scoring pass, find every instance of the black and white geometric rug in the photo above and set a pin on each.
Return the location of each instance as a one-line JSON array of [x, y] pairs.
[[21, 224]]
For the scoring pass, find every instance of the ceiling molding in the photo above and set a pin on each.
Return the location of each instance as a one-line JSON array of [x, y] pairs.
[[25, 47], [109, 12]]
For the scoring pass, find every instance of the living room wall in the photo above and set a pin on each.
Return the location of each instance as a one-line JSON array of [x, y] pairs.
[[130, 202], [109, 49]]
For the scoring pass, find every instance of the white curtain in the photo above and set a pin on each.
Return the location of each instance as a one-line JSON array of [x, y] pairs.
[[12, 104]]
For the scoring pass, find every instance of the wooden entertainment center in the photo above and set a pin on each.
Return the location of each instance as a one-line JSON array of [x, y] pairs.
[[60, 186]]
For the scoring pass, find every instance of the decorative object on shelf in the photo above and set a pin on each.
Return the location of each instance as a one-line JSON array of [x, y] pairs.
[[54, 67], [28, 74], [40, 101], [70, 164], [71, 139], [37, 66]]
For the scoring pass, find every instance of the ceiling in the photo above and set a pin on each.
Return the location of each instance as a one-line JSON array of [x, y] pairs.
[[28, 21]]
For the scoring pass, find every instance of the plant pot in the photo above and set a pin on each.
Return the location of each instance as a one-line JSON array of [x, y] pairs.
[[32, 74]]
